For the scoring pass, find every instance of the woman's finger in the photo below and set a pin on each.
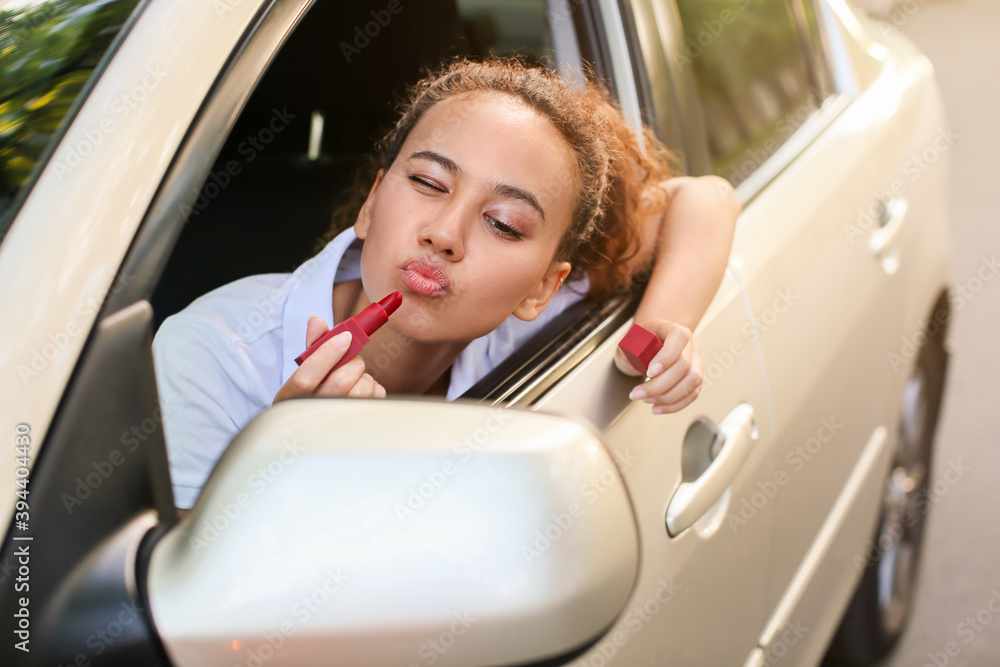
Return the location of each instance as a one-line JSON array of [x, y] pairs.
[[363, 388], [341, 381], [685, 391], [315, 329]]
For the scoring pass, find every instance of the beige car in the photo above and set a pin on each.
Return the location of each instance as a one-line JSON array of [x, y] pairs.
[[152, 150]]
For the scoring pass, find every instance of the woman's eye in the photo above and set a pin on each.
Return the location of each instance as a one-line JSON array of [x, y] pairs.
[[503, 229], [423, 182]]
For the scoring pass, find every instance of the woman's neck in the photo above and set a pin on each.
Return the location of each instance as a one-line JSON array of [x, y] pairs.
[[397, 362]]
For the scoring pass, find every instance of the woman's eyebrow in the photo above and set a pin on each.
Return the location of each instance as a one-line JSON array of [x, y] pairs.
[[502, 189], [510, 192], [447, 163]]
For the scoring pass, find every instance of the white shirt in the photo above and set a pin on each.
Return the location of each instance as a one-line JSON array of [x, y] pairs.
[[220, 361]]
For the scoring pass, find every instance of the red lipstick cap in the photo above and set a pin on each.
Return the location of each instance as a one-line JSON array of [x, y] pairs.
[[640, 345]]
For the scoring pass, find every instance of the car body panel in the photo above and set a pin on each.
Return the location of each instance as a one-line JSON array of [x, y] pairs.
[[709, 576], [833, 387]]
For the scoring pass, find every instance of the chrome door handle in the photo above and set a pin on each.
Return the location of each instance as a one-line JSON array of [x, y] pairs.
[[892, 221], [692, 499]]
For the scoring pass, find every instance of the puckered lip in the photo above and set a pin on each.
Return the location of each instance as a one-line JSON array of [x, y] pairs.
[[425, 277]]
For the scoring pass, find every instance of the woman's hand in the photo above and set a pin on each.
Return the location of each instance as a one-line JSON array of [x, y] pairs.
[[314, 378], [675, 372]]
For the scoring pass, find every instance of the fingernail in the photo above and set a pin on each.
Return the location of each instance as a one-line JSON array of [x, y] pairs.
[[637, 394], [342, 340], [650, 401], [654, 370]]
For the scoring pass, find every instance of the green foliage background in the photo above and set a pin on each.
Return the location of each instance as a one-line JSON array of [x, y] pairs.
[[48, 51]]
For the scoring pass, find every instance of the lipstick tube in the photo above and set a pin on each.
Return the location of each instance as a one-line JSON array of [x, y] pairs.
[[640, 345], [361, 326]]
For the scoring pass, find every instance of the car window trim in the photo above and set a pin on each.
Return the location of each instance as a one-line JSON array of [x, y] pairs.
[[9, 216], [829, 110]]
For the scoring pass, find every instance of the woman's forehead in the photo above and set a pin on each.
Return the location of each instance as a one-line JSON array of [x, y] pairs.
[[493, 132]]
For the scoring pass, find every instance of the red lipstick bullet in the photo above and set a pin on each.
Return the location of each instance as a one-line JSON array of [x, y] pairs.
[[361, 326]]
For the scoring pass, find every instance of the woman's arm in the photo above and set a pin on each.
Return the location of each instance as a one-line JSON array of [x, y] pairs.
[[693, 239]]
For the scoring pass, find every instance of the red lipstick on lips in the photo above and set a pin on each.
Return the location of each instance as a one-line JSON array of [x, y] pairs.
[[361, 326], [425, 277]]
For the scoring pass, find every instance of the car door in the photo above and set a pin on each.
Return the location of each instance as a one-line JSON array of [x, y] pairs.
[[814, 165]]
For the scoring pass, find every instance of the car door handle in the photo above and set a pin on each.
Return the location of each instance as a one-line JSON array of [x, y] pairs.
[[692, 499], [892, 221]]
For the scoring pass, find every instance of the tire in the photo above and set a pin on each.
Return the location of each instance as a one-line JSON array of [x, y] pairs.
[[880, 609]]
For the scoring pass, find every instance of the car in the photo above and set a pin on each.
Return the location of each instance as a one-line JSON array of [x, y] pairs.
[[152, 150]]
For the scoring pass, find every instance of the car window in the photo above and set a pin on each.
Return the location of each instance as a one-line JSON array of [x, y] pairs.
[[289, 161], [49, 51], [752, 76]]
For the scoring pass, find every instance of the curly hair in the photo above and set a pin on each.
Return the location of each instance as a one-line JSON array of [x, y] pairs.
[[619, 172]]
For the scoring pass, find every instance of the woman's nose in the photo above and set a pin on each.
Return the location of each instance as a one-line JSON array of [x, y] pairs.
[[445, 234]]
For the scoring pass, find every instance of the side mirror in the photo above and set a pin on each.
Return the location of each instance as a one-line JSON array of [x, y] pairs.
[[398, 532]]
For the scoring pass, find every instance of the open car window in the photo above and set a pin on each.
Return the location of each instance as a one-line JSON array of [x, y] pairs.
[[293, 154]]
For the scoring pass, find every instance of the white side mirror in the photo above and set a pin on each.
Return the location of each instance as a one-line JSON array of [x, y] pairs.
[[399, 532]]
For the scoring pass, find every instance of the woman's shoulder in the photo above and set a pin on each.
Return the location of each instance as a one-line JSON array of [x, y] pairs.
[[207, 334]]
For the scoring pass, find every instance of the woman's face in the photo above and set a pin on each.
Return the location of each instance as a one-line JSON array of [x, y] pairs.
[[467, 220]]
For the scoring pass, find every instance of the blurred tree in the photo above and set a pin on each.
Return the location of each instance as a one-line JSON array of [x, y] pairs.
[[48, 51]]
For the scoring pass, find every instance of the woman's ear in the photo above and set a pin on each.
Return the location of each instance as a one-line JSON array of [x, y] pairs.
[[364, 220], [539, 299]]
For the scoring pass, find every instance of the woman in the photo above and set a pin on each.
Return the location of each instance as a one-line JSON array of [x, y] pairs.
[[498, 184]]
